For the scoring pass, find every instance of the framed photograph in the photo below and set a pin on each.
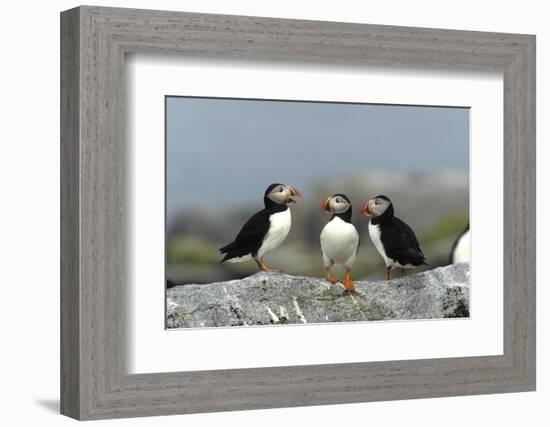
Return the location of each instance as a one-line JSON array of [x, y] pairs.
[[261, 213], [417, 154]]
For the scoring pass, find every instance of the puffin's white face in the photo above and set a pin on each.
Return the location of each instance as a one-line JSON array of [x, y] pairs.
[[335, 204], [375, 207], [283, 194]]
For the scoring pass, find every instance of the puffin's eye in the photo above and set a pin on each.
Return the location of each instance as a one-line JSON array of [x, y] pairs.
[[281, 190]]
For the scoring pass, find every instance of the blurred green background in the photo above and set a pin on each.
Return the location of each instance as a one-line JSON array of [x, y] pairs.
[[436, 207], [221, 154]]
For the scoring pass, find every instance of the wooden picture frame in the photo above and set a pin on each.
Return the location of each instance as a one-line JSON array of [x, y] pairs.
[[94, 41]]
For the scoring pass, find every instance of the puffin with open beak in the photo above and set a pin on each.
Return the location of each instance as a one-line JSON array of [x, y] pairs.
[[339, 238], [266, 229], [394, 240]]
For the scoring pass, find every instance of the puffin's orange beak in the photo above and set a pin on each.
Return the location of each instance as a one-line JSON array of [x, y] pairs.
[[364, 210], [293, 192], [324, 205]]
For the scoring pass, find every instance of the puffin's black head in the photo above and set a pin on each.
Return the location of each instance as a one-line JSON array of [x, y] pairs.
[[377, 207], [281, 194], [336, 204]]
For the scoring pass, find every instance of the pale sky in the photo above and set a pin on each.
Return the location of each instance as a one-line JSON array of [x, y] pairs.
[[231, 149]]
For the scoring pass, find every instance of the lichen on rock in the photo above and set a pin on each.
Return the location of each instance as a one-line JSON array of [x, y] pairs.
[[278, 298]]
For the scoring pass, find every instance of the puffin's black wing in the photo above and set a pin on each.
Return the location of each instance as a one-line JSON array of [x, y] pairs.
[[401, 243], [250, 238]]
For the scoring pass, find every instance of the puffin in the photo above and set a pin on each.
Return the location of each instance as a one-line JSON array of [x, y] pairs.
[[265, 230], [394, 240], [339, 238], [461, 247]]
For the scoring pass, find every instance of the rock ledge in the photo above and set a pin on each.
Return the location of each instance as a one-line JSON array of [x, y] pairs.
[[278, 298]]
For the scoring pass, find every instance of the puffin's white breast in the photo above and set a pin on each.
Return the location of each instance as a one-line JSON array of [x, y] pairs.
[[339, 240], [461, 252], [279, 226], [375, 235]]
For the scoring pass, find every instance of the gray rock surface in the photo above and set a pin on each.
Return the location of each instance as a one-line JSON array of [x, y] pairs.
[[278, 298]]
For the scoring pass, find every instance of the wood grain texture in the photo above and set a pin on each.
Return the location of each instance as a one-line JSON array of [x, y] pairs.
[[94, 382], [70, 221]]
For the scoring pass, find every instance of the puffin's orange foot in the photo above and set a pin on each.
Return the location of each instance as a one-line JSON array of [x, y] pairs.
[[264, 268], [332, 280], [348, 284]]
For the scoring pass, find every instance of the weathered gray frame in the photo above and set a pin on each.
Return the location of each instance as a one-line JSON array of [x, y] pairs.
[[94, 42]]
